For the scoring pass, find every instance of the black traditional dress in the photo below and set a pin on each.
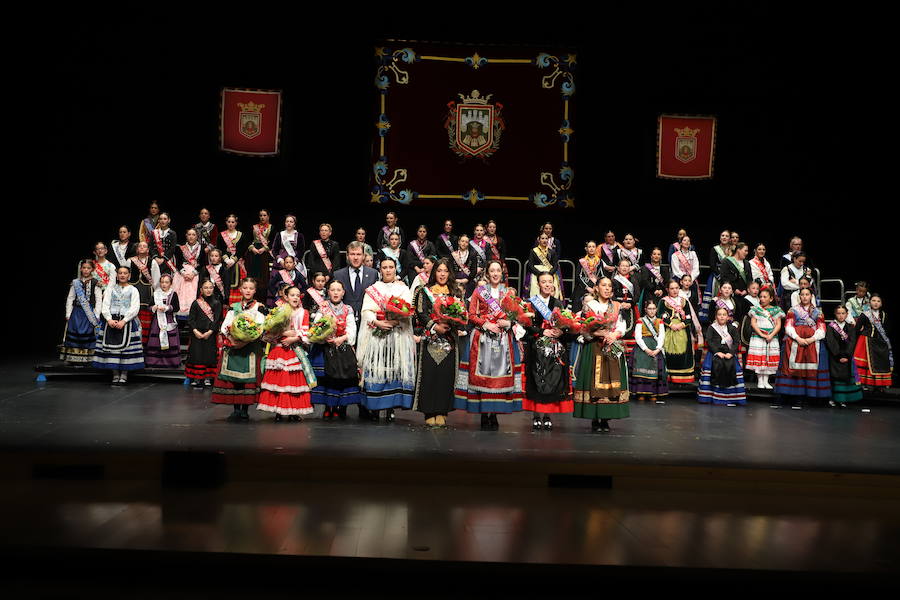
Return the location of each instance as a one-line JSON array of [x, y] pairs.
[[588, 273], [873, 356], [324, 257], [840, 340], [202, 357], [258, 265], [722, 379], [162, 245], [446, 244], [437, 359], [548, 386], [233, 247]]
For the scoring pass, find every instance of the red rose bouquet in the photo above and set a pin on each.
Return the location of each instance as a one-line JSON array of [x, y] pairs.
[[515, 309], [590, 321], [397, 309], [563, 319], [450, 310]]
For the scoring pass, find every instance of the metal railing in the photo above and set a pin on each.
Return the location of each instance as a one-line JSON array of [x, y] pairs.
[[514, 280]]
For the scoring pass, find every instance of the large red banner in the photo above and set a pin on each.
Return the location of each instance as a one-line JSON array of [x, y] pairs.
[[250, 122], [685, 147]]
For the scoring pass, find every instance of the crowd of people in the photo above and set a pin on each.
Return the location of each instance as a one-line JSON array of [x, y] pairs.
[[432, 324]]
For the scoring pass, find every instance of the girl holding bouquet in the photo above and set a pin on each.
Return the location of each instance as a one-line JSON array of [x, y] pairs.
[[678, 319], [544, 259], [601, 373], [491, 369], [285, 387], [647, 364], [204, 321], [119, 343], [237, 382], [333, 359], [163, 346], [548, 388], [190, 260], [440, 320], [83, 307], [387, 351]]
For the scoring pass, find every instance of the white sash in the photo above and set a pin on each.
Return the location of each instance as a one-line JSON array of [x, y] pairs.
[[287, 241], [625, 282], [161, 298]]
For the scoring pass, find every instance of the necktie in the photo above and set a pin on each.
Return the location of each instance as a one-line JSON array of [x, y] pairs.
[[356, 281]]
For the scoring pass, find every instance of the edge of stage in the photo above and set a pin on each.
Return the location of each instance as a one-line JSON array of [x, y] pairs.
[[79, 427]]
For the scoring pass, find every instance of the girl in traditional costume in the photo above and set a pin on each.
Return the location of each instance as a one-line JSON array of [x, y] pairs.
[[447, 241], [804, 370], [764, 353], [288, 377], [258, 255], [104, 271], [84, 305], [190, 260], [626, 292], [859, 303], [465, 265], [145, 229], [204, 320], [601, 372], [238, 378], [397, 254], [647, 365], [548, 387], [629, 250], [422, 277], [288, 275], [289, 242], [121, 248], [383, 237], [761, 270], [677, 345], [219, 274], [480, 245], [684, 261], [724, 299], [544, 260], [609, 254], [805, 283], [163, 241], [361, 238], [721, 376], [840, 340], [324, 253], [334, 361], [144, 277], [387, 351], [652, 278], [119, 343], [498, 246], [490, 378], [874, 357], [315, 295], [207, 231], [437, 359], [553, 243], [233, 245], [588, 274], [163, 346], [716, 256], [676, 245], [419, 249], [790, 277], [735, 269]]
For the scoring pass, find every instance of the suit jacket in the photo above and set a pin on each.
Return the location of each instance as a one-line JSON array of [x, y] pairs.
[[355, 298]]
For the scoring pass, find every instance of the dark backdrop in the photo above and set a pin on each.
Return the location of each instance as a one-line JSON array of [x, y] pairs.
[[130, 115]]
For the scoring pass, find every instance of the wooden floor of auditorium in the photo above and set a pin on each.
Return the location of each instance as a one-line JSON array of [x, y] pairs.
[[151, 482]]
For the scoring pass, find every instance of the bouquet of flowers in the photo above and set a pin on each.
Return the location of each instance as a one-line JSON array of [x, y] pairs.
[[591, 321], [563, 318], [515, 309], [397, 309], [277, 321], [450, 310], [321, 330], [245, 329]]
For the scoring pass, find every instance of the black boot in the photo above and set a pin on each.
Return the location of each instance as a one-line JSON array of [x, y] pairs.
[[245, 412], [595, 425], [485, 422], [235, 415], [389, 415], [495, 425], [604, 425], [548, 424]]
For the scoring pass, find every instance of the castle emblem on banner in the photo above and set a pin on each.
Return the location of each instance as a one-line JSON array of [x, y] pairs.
[[474, 125], [250, 119], [686, 144]]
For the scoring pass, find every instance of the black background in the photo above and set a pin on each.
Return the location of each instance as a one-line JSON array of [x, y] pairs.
[[128, 114]]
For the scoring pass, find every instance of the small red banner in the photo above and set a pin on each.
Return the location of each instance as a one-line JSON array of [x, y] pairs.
[[250, 121], [685, 147]]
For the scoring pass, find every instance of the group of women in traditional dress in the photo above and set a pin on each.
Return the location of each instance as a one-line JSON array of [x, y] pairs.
[[647, 327]]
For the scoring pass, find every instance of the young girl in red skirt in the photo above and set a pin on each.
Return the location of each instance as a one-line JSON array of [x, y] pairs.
[[874, 357], [286, 383]]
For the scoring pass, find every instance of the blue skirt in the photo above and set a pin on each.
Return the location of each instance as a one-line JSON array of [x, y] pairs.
[[331, 392], [708, 391], [817, 387], [506, 397], [78, 346], [391, 394], [709, 292], [120, 349]]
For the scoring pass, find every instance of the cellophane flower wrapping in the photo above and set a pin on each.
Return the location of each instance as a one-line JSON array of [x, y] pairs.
[[450, 310], [515, 309], [563, 319], [245, 329], [321, 329], [278, 320], [397, 309]]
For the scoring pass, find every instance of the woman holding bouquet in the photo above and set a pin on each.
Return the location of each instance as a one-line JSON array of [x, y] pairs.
[[163, 346], [237, 382], [678, 348], [204, 321], [288, 377], [333, 359], [387, 351], [288, 275], [491, 367], [83, 306], [440, 320], [547, 384], [119, 343], [543, 259], [233, 245], [601, 374]]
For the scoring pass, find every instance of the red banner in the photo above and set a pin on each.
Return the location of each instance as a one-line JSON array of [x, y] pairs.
[[250, 121], [685, 147]]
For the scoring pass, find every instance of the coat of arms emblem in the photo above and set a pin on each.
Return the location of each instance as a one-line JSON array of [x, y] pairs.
[[474, 125], [250, 119], [686, 144]]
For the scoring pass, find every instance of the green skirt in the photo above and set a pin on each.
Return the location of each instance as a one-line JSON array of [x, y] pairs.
[[845, 392], [601, 383]]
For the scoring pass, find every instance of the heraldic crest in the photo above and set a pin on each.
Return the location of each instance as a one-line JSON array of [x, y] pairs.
[[474, 125]]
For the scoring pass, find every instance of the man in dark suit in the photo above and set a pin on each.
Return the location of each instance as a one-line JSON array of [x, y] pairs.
[[356, 278]]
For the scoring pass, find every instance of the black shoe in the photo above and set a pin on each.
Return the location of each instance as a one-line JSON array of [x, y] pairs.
[[295, 418], [604, 425], [536, 422], [373, 415], [195, 383], [234, 417], [245, 412], [278, 418], [548, 425], [342, 413], [595, 425], [495, 425], [365, 414], [485, 422], [389, 415]]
